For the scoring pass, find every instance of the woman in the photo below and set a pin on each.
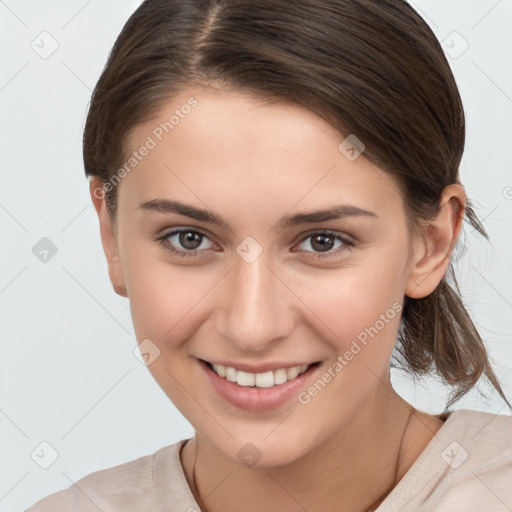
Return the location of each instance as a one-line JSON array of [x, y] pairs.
[[278, 193]]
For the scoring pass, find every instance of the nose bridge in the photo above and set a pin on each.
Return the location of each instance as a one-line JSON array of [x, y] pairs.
[[253, 314]]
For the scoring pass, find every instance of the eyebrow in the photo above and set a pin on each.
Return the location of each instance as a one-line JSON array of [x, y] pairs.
[[332, 213]]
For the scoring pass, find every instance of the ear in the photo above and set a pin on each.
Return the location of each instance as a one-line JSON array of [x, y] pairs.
[[432, 249], [108, 238]]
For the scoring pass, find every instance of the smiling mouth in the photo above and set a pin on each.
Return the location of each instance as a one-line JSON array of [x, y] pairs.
[[266, 379]]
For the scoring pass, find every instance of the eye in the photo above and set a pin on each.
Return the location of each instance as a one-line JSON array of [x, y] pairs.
[[192, 240], [189, 239], [324, 241]]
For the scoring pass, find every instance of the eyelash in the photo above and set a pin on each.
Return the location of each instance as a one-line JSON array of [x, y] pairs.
[[164, 242]]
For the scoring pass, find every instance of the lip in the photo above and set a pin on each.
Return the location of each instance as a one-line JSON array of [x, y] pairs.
[[253, 398]]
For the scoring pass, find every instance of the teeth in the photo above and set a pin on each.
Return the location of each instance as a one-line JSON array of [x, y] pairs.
[[221, 370], [245, 379], [291, 373], [260, 380], [230, 374], [264, 380], [280, 376]]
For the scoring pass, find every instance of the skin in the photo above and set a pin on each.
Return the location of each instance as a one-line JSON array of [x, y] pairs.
[[252, 162]]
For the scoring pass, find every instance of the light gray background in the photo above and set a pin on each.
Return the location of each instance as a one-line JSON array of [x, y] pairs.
[[68, 376]]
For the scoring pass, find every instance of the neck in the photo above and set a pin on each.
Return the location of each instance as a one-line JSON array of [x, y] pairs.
[[353, 470]]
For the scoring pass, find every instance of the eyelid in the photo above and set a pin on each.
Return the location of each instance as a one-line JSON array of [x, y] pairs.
[[176, 229], [332, 232]]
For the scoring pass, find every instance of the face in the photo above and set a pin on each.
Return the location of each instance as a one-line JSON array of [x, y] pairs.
[[265, 286]]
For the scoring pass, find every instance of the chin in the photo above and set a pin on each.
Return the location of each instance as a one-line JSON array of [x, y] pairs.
[[263, 452]]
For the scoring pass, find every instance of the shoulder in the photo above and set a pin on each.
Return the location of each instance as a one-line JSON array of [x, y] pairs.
[[484, 437], [467, 466], [478, 457], [126, 487]]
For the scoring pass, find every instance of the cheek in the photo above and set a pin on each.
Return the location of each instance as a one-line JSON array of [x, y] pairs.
[[362, 308], [358, 309], [164, 299]]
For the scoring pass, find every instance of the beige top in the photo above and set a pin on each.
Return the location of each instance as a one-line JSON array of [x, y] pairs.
[[466, 467]]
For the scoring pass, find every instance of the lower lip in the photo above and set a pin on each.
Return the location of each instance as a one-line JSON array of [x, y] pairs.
[[254, 398]]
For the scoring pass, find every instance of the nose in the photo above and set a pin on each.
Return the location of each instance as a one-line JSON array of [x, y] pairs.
[[255, 308]]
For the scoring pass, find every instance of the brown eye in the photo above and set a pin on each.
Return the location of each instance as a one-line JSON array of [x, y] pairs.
[[323, 242], [184, 242], [189, 239]]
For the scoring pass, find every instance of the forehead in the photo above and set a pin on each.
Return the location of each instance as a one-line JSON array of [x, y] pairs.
[[229, 144]]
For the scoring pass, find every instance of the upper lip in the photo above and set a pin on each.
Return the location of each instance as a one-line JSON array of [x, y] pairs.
[[260, 368]]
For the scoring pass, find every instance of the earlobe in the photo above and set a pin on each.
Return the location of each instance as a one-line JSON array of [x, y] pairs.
[[432, 252], [108, 240]]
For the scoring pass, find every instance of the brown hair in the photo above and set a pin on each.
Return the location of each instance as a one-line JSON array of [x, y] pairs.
[[372, 68]]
